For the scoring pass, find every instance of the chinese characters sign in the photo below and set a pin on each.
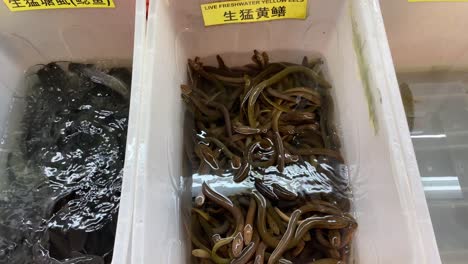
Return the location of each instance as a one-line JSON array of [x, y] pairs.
[[246, 11], [25, 5]]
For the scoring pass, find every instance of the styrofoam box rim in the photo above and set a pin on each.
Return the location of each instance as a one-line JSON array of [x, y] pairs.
[[123, 238]]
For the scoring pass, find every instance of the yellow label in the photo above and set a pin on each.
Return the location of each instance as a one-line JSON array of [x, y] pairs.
[[247, 11], [26, 5]]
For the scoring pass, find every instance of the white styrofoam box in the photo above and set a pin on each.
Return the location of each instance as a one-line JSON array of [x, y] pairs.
[[389, 204], [427, 36], [439, 137], [430, 49], [123, 238], [33, 37]]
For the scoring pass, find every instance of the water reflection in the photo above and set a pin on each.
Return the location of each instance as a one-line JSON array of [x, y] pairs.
[[300, 177], [60, 191]]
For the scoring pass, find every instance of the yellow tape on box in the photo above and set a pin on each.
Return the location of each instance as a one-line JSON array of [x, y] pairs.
[[248, 11], [27, 5]]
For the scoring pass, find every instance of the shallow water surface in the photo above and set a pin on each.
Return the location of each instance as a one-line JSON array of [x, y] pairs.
[[60, 189]]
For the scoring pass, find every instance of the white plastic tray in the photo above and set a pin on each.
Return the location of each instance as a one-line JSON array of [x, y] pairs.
[[430, 49], [427, 36], [389, 203], [32, 37]]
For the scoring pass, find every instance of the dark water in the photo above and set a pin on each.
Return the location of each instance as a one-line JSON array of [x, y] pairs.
[[60, 191]]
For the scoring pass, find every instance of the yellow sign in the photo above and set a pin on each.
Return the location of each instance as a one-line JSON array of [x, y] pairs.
[[247, 11], [26, 5]]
